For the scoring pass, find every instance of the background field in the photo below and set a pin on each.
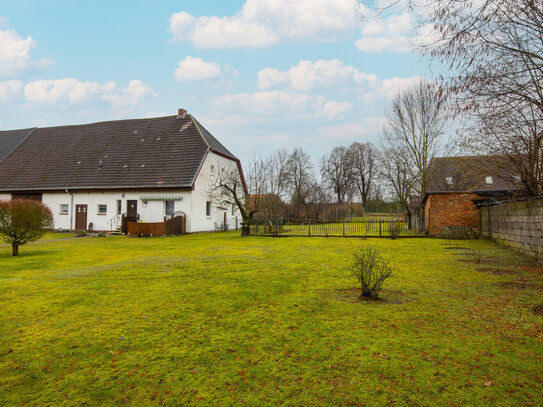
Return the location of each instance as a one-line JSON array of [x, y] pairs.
[[225, 320]]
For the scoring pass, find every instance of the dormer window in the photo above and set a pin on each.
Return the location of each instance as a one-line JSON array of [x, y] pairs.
[[449, 180], [488, 180]]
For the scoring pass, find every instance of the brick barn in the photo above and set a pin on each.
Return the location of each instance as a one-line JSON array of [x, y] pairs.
[[456, 185]]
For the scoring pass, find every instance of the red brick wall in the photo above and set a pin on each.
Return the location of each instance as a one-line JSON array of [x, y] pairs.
[[451, 209]]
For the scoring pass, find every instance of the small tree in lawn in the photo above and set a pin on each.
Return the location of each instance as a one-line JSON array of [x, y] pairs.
[[22, 221], [371, 270]]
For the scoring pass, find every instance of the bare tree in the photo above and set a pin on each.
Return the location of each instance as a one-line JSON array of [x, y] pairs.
[[362, 160], [228, 187], [495, 48], [274, 173], [300, 179], [413, 130], [396, 172], [337, 172]]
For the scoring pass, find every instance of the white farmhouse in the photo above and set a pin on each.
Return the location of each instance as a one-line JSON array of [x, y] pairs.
[[90, 175]]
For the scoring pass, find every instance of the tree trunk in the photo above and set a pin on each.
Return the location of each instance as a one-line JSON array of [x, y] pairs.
[[15, 249], [245, 230]]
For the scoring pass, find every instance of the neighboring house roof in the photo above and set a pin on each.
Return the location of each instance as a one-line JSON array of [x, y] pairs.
[[158, 152], [9, 140], [470, 174]]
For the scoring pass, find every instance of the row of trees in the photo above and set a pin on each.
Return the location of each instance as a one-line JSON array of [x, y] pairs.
[[495, 51], [285, 183]]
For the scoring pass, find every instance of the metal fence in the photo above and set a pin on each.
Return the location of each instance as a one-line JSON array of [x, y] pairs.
[[361, 226]]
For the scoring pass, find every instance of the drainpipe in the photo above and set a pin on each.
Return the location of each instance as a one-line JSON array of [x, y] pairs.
[[71, 208]]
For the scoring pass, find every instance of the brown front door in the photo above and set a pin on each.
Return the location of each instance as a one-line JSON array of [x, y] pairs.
[[131, 210], [81, 217]]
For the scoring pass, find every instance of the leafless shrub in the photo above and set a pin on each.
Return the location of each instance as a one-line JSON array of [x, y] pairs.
[[371, 270]]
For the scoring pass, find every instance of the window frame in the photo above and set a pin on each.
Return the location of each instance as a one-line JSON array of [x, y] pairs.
[[208, 209], [67, 211], [99, 212], [166, 204]]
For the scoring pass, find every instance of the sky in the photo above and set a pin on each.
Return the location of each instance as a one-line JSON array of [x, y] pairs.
[[258, 74]]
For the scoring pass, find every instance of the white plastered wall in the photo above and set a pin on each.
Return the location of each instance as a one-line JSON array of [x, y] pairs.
[[154, 212], [4, 197], [201, 222]]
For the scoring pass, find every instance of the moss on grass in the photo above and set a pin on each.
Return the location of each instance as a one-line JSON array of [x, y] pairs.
[[225, 320]]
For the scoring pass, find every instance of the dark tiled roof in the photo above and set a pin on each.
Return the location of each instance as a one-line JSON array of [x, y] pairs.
[[456, 174], [157, 152], [10, 139]]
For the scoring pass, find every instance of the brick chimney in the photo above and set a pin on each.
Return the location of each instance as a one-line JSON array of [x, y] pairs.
[[181, 113]]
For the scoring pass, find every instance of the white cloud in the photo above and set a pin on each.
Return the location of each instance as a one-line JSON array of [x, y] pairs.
[[53, 90], [332, 110], [135, 92], [196, 69], [396, 33], [262, 23], [10, 88], [14, 52], [348, 132], [387, 89], [280, 103], [3, 21], [307, 75], [273, 103], [75, 91]]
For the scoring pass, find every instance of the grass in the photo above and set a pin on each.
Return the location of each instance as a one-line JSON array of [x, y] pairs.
[[56, 236], [223, 320]]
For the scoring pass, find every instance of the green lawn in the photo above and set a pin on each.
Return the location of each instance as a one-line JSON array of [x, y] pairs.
[[57, 235], [223, 320]]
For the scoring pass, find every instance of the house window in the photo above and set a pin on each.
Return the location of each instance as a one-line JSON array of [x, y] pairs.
[[102, 209], [449, 180], [208, 208], [119, 206], [488, 180], [170, 207], [64, 208], [212, 170], [144, 203], [233, 209]]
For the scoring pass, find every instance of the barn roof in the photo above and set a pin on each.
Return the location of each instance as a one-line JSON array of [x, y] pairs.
[[470, 173], [158, 152]]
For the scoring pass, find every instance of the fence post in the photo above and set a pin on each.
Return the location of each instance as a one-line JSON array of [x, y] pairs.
[[379, 226], [256, 232], [343, 226], [236, 223], [309, 227]]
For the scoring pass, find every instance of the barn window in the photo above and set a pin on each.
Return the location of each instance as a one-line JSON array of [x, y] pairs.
[[64, 208], [170, 207], [488, 180], [208, 208], [102, 209]]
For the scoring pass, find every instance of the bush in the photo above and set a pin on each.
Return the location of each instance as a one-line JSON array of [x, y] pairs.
[[22, 221], [80, 233], [101, 234], [371, 270], [395, 228]]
